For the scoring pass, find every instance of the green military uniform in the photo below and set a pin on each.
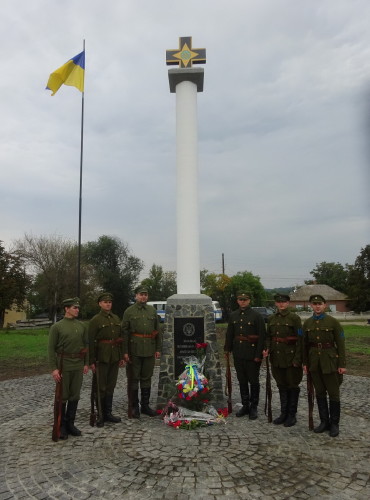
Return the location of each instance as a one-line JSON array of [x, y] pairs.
[[105, 340], [284, 342], [245, 337], [142, 339], [68, 344], [324, 353]]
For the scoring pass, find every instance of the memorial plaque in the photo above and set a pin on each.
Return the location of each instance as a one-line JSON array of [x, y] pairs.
[[187, 333]]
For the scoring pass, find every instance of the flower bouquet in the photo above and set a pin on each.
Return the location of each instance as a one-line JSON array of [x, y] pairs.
[[183, 418]]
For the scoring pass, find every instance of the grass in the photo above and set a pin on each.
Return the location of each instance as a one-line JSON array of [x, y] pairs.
[[24, 353]]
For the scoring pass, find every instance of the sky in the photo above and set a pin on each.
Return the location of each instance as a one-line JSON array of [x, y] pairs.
[[283, 127]]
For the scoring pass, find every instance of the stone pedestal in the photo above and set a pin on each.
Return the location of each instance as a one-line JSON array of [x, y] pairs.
[[189, 320]]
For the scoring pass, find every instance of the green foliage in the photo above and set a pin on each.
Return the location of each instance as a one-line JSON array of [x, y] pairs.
[[332, 274], [52, 261], [115, 269], [249, 282], [14, 282], [160, 284], [359, 282]]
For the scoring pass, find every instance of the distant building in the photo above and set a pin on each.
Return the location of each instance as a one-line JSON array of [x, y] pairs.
[[14, 314], [336, 301]]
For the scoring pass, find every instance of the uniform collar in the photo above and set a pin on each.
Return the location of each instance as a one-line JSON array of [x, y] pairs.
[[105, 313], [320, 316]]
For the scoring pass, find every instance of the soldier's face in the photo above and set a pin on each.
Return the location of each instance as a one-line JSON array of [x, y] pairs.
[[318, 307], [243, 303], [105, 305], [72, 312], [282, 305], [142, 297]]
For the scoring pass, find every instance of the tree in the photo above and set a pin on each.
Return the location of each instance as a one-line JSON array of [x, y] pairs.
[[332, 274], [14, 282], [247, 281], [52, 261], [114, 268], [359, 282], [217, 286], [161, 284]]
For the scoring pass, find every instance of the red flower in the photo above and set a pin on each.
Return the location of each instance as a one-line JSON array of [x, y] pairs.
[[223, 411], [202, 345], [188, 398]]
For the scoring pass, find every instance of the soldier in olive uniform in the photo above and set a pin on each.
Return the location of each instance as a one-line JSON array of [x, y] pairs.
[[142, 344], [284, 345], [68, 343], [324, 357], [245, 337], [106, 355]]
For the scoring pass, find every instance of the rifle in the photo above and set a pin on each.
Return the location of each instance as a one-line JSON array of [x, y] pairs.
[[129, 392], [98, 399], [58, 403], [310, 398], [92, 401], [228, 387], [268, 398]]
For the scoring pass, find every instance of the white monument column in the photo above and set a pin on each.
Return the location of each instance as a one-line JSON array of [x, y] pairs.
[[188, 261], [186, 82]]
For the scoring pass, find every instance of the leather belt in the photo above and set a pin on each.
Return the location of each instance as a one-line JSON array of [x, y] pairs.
[[146, 335], [73, 355], [321, 345], [247, 338], [285, 340], [110, 341]]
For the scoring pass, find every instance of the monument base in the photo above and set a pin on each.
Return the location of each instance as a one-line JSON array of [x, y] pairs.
[[189, 320]]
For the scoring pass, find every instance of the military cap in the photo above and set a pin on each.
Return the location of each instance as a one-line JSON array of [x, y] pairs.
[[105, 296], [242, 294], [141, 289], [75, 301], [281, 297], [317, 298]]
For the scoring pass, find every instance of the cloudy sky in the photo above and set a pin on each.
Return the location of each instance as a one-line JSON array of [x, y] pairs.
[[283, 123]]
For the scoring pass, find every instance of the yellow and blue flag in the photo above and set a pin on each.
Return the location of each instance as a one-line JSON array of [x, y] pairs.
[[71, 73]]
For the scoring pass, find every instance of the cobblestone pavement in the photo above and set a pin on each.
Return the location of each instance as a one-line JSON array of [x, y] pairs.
[[145, 459]]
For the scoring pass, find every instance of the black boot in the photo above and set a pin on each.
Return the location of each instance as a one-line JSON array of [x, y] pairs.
[[334, 418], [100, 419], [145, 408], [108, 417], [255, 396], [322, 405], [63, 424], [283, 407], [70, 417], [293, 397], [135, 403], [244, 394]]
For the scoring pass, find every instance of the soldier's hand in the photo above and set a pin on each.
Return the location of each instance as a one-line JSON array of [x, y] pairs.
[[157, 355], [342, 370], [265, 353], [56, 375], [92, 367], [86, 369], [122, 363], [305, 369], [126, 358]]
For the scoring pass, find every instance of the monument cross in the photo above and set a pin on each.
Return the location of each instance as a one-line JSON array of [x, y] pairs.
[[185, 56]]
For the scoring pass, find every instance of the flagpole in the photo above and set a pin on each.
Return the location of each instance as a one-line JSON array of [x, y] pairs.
[[80, 195]]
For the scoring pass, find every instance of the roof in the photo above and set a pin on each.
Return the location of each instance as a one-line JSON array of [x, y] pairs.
[[304, 293]]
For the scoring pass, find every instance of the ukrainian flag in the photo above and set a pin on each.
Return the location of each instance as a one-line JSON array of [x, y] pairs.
[[71, 73]]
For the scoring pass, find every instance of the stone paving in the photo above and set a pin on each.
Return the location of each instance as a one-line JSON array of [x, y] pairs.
[[144, 459]]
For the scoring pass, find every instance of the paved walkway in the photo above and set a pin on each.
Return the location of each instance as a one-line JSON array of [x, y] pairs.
[[145, 459]]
